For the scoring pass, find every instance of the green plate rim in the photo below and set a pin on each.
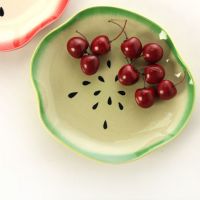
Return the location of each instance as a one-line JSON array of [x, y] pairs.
[[106, 157]]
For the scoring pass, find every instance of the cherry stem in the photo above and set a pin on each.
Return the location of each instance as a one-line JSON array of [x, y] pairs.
[[117, 19], [120, 27], [144, 81], [120, 32], [140, 67], [82, 35], [133, 60], [127, 60], [141, 55], [181, 79]]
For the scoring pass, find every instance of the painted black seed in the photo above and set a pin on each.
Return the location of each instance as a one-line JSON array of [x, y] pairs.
[[105, 125], [101, 78], [109, 101], [1, 12], [94, 107], [96, 93], [121, 107], [116, 78], [86, 82], [72, 94], [122, 93], [109, 63]]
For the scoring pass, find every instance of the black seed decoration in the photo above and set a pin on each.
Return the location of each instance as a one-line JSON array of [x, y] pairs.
[[109, 64], [105, 125], [94, 107], [1, 12], [116, 78], [96, 93], [109, 101], [122, 93], [101, 78], [121, 107], [86, 82], [72, 94]]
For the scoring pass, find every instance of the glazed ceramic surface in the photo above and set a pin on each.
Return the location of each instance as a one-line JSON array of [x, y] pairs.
[[21, 20], [95, 115]]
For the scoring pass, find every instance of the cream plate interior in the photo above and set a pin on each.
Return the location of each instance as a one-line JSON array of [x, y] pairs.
[[22, 18], [108, 132]]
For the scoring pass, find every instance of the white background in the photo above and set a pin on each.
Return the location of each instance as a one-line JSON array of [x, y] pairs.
[[34, 166]]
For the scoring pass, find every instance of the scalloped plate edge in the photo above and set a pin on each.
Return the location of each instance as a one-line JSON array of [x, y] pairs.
[[142, 152]]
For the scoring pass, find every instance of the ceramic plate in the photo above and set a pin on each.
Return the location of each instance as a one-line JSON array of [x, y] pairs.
[[95, 115], [21, 20]]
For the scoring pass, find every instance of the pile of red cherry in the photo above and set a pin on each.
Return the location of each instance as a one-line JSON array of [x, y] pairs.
[[153, 73]]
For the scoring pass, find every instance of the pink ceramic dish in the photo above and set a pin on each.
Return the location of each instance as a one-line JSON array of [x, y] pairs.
[[21, 20]]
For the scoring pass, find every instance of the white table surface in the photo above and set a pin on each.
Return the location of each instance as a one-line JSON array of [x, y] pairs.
[[34, 166]]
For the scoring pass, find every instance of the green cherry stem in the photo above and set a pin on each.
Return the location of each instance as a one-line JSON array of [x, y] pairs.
[[127, 60], [143, 80]]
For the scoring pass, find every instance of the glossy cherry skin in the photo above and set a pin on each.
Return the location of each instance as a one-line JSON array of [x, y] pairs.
[[145, 97], [131, 48], [127, 75], [152, 52], [77, 46], [90, 64], [154, 74], [100, 45], [166, 90]]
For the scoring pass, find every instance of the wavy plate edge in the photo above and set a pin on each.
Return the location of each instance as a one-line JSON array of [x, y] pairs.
[[116, 159]]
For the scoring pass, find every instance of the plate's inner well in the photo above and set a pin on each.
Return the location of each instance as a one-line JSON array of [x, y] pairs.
[[96, 113]]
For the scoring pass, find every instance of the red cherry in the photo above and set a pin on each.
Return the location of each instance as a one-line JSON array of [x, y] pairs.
[[152, 52], [154, 73], [166, 90], [145, 97], [127, 75], [100, 45], [90, 64], [77, 46], [132, 47]]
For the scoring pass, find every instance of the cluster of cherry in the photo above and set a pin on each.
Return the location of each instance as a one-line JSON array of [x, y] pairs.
[[101, 45], [132, 49]]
